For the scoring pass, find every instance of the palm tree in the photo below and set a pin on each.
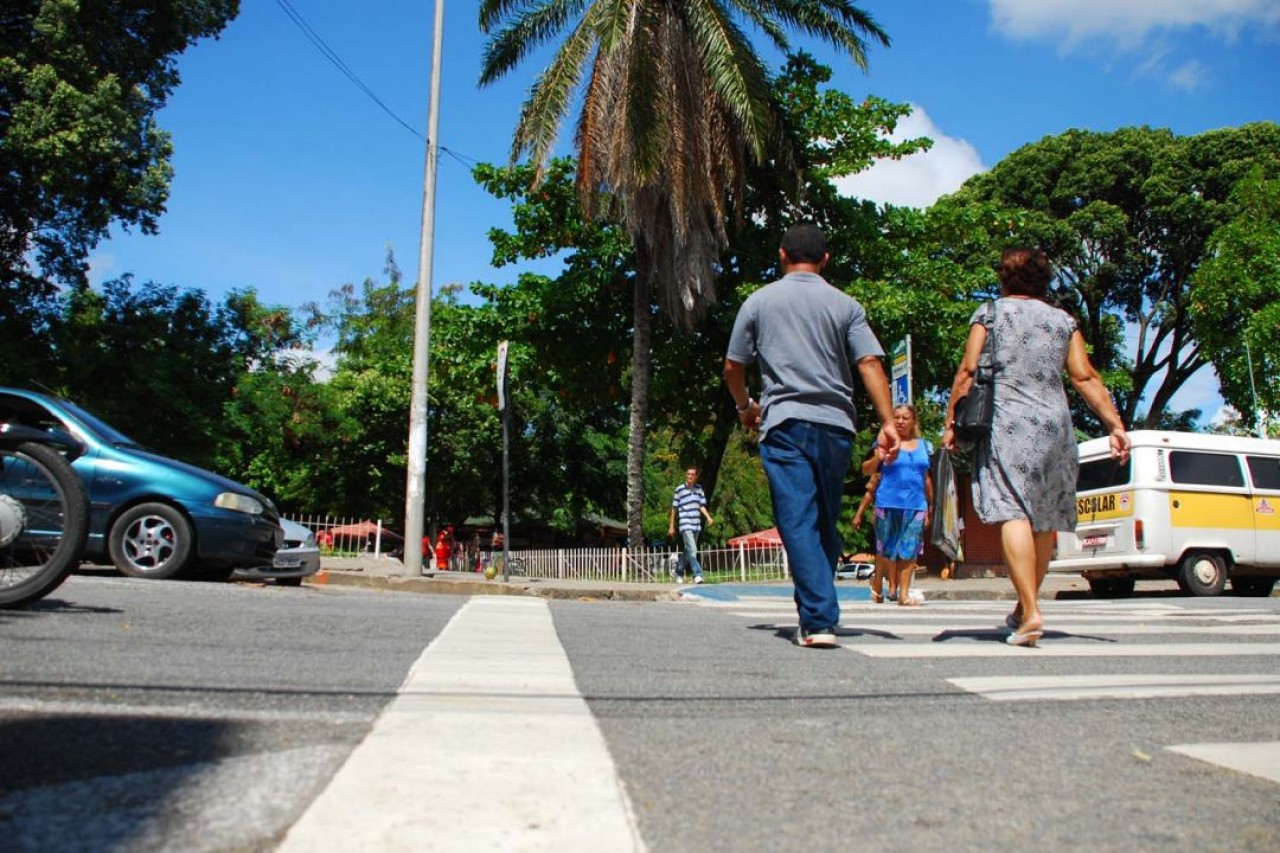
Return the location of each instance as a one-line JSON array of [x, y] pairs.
[[675, 102]]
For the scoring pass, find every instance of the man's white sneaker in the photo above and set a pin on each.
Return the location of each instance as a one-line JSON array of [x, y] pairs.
[[697, 579]]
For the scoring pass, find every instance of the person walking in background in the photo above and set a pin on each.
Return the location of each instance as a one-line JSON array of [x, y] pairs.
[[903, 500], [808, 338], [871, 468], [688, 508], [868, 499], [1025, 471]]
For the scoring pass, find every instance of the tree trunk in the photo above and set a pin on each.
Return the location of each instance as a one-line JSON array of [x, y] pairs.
[[641, 374]]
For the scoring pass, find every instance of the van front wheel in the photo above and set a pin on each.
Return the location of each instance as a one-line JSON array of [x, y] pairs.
[[1202, 573]]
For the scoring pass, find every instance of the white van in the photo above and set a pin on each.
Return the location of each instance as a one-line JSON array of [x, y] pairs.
[[1195, 508]]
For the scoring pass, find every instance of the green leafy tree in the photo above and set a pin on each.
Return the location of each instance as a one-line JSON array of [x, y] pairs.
[[160, 362], [1236, 299], [370, 388], [1127, 216], [675, 103], [80, 84]]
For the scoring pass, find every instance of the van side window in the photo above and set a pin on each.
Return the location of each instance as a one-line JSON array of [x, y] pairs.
[[1102, 474], [1265, 471], [1205, 469]]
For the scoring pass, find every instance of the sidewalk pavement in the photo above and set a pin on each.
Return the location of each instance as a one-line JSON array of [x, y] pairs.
[[385, 573]]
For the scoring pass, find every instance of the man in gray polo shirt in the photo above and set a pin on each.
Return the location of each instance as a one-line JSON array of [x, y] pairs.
[[808, 338]]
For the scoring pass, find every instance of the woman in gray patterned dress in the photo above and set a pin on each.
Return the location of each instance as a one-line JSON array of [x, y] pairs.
[[1025, 473]]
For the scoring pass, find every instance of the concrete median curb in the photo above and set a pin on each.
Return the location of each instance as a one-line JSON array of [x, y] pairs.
[[451, 586]]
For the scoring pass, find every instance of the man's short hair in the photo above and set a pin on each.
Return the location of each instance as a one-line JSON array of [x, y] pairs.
[[805, 244]]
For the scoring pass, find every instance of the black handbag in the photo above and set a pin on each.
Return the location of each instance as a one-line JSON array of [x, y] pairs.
[[975, 411]]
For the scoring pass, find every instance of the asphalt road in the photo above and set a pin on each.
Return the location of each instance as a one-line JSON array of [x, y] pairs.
[[141, 715]]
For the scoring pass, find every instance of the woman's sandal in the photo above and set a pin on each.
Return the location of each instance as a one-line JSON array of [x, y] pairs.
[[908, 602], [876, 598], [1028, 639]]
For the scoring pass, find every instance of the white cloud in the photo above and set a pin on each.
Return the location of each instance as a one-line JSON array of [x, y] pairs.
[[102, 266], [1136, 26], [917, 180], [1190, 76], [1127, 22]]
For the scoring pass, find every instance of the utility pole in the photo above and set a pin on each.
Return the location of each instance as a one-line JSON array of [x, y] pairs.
[[415, 492], [1257, 413]]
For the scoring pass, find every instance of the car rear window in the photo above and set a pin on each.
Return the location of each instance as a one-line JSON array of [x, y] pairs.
[[1206, 469], [1265, 471], [1102, 474]]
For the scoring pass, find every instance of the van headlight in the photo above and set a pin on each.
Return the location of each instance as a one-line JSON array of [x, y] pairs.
[[238, 503]]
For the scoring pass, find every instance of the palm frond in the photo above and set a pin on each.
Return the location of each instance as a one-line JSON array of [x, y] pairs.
[[512, 43], [549, 97]]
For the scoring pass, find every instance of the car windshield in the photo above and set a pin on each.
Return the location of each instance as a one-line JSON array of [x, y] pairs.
[[101, 428]]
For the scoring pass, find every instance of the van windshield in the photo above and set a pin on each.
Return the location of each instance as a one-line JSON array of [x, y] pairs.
[[1102, 474]]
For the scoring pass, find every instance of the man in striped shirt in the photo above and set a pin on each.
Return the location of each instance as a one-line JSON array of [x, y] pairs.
[[689, 504]]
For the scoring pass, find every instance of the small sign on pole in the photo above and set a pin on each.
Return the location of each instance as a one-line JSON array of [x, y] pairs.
[[901, 372], [502, 376]]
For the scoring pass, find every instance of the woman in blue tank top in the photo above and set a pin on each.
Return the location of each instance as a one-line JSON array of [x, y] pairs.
[[903, 499]]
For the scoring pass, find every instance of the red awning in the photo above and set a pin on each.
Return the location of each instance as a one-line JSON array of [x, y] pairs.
[[760, 539]]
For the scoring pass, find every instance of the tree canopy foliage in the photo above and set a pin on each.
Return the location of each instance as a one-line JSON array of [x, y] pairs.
[[80, 84], [1236, 300], [1127, 217]]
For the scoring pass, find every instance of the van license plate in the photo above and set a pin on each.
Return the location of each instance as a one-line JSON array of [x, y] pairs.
[[1095, 541]]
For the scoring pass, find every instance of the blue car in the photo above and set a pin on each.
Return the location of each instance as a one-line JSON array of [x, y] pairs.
[[152, 516]]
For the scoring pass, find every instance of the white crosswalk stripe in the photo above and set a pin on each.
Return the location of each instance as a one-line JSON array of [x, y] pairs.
[[1063, 687], [1141, 630], [493, 703]]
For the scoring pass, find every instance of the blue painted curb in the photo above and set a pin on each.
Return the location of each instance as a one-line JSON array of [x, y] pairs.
[[736, 591]]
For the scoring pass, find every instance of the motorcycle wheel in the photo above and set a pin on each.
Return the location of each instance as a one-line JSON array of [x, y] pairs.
[[44, 518]]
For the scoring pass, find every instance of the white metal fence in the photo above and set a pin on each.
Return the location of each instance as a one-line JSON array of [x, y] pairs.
[[650, 566], [350, 537]]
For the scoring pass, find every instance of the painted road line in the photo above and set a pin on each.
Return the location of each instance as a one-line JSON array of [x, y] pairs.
[[1054, 648], [488, 746], [1256, 759], [1080, 630], [1073, 687]]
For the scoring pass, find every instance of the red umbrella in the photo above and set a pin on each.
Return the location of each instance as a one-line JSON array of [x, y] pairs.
[[361, 530]]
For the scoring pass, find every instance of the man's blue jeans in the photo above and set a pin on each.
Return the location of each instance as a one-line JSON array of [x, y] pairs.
[[689, 554], [806, 464]]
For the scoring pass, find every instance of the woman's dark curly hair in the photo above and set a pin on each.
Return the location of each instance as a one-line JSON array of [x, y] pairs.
[[1025, 272]]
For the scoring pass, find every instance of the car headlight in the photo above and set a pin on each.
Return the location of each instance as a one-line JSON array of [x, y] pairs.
[[310, 541], [238, 503]]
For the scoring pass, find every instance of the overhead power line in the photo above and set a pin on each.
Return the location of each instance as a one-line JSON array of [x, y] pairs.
[[331, 55]]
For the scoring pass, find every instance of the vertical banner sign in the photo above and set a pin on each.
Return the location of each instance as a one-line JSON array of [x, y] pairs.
[[900, 355], [502, 376]]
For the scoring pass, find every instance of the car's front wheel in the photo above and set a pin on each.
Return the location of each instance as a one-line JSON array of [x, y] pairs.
[[151, 540]]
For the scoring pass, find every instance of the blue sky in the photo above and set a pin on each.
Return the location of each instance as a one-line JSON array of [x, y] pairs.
[[292, 180]]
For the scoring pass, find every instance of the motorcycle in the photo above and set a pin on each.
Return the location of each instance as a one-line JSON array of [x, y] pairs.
[[44, 512]]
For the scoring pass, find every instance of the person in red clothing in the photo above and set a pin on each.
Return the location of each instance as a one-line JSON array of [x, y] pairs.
[[444, 546]]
